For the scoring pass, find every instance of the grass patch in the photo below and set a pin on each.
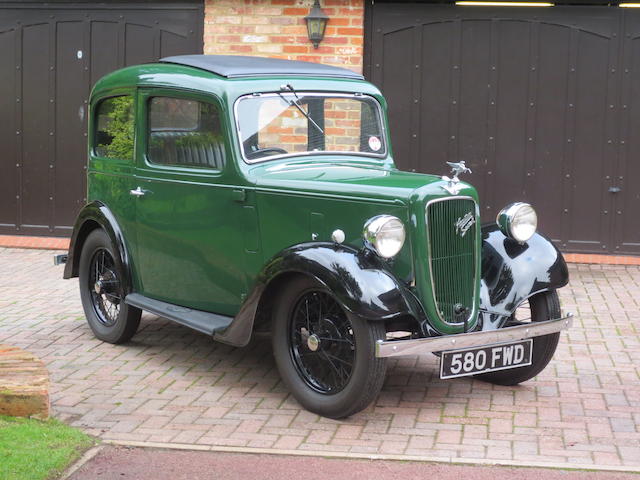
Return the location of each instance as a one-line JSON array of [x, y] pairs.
[[35, 450]]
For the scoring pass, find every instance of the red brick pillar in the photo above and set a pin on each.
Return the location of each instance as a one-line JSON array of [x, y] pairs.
[[276, 28]]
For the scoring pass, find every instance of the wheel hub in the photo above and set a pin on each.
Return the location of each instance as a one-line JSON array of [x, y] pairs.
[[98, 286], [313, 342]]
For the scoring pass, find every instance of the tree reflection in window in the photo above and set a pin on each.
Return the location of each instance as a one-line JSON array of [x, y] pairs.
[[114, 130]]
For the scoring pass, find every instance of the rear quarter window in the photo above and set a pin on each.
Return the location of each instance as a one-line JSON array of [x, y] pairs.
[[114, 129]]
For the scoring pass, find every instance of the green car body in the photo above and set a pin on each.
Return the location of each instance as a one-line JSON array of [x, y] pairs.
[[224, 241]]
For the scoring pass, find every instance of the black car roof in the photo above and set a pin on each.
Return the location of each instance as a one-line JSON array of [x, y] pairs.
[[234, 66]]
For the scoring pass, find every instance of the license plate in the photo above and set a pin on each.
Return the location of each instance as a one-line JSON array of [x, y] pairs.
[[488, 358]]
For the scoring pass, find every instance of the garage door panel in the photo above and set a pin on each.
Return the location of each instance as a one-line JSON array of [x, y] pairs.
[[8, 105], [104, 51], [59, 52], [547, 174], [34, 194], [70, 117], [586, 163], [140, 46], [627, 201], [173, 44], [475, 93], [435, 88], [512, 92], [531, 99], [394, 17], [397, 81]]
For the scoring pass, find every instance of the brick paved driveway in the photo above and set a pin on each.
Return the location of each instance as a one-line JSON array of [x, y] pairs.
[[172, 385]]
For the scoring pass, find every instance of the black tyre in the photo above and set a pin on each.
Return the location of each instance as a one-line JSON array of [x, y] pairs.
[[325, 355], [540, 307], [102, 292]]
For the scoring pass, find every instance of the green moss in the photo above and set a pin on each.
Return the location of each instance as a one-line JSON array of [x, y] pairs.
[[35, 450]]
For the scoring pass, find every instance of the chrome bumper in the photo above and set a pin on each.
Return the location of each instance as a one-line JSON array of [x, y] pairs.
[[421, 346]]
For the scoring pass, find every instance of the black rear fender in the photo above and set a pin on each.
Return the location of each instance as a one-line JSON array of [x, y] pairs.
[[97, 215]]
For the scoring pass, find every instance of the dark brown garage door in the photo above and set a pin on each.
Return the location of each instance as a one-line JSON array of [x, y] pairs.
[[50, 56], [543, 103]]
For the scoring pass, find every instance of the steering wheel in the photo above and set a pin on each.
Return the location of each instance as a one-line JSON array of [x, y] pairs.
[[263, 152]]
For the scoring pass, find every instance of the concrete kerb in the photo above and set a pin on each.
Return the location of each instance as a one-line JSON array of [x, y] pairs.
[[376, 456], [86, 457]]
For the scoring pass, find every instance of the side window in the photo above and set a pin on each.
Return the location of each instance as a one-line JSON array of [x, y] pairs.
[[114, 128], [184, 133]]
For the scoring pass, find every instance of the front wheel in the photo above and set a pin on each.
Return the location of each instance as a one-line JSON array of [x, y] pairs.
[[325, 355], [539, 308]]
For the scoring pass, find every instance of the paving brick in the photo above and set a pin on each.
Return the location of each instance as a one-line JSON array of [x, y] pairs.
[[174, 385], [288, 442], [348, 431], [499, 425], [448, 436]]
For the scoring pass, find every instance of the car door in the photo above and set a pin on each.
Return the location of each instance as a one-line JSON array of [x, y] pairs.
[[189, 244], [110, 174]]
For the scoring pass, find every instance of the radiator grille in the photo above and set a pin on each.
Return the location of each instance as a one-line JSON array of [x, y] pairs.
[[452, 227]]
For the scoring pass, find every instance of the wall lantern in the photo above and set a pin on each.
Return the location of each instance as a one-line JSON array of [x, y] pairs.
[[316, 24]]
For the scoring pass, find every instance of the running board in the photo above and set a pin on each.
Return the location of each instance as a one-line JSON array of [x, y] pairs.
[[204, 322]]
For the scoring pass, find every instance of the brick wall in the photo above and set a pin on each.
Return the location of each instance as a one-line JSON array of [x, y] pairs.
[[289, 129], [276, 28]]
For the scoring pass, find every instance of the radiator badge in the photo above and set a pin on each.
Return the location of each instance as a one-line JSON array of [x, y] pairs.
[[453, 186], [463, 224]]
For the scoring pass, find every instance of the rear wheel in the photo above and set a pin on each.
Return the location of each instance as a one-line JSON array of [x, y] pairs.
[[102, 292], [542, 306], [325, 355]]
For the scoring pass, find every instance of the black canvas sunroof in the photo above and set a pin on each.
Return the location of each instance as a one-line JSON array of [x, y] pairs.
[[234, 66]]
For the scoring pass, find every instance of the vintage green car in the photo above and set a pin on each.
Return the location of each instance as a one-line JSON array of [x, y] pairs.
[[238, 194]]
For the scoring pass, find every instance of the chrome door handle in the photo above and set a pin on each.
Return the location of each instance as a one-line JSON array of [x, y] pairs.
[[138, 192]]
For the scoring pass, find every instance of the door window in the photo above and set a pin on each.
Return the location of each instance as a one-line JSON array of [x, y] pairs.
[[114, 137], [184, 133]]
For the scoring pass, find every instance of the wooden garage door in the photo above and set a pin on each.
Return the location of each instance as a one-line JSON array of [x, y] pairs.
[[542, 103], [50, 57]]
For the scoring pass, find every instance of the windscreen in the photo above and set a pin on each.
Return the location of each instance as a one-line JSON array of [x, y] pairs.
[[299, 123]]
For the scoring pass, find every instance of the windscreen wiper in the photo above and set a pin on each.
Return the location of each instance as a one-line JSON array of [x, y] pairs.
[[296, 104]]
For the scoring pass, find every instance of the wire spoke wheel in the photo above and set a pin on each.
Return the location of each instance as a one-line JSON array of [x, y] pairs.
[[538, 308], [105, 287], [322, 342], [326, 354], [521, 316]]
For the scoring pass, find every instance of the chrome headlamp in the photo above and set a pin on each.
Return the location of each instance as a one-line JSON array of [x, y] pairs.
[[386, 234], [518, 221]]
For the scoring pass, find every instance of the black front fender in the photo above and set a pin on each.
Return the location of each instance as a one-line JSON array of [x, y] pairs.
[[512, 272], [97, 215], [361, 282]]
